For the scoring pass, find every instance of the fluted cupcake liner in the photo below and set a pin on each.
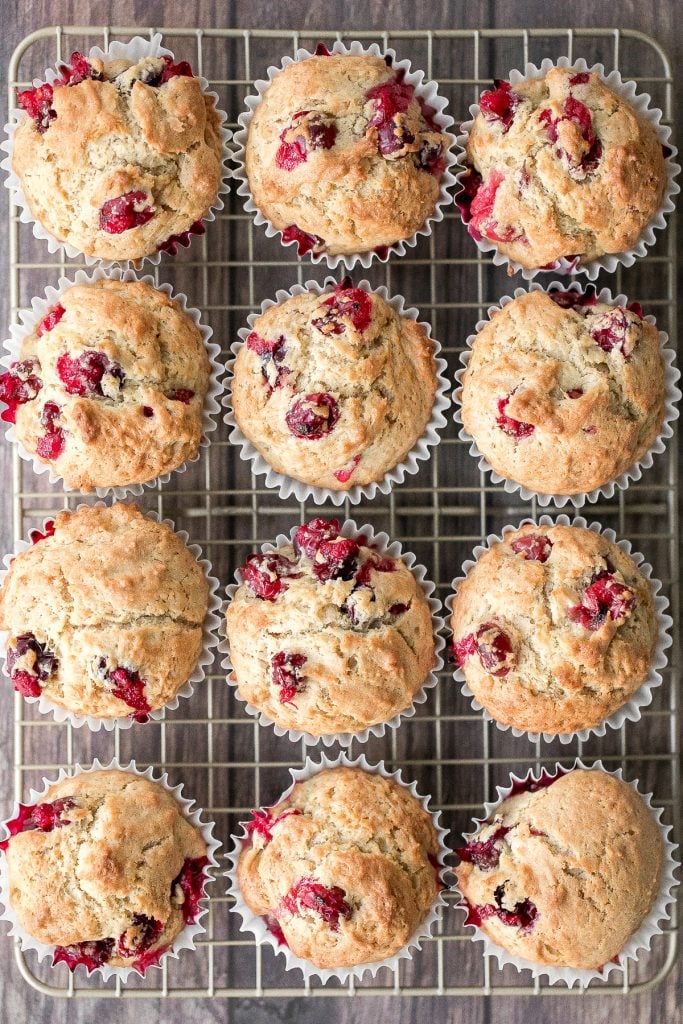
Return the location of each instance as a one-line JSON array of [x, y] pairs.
[[40, 306], [205, 660], [186, 939], [640, 940], [257, 925], [425, 89], [640, 101], [634, 472], [287, 486], [134, 50], [384, 546], [631, 711]]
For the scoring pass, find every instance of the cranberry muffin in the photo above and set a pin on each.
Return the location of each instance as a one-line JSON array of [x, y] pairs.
[[560, 167], [109, 388], [344, 869], [342, 155], [328, 636], [334, 390], [106, 869], [554, 628], [565, 870], [104, 613], [119, 159], [563, 394]]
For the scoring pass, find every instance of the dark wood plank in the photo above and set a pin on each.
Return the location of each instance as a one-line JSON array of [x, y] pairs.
[[19, 1001]]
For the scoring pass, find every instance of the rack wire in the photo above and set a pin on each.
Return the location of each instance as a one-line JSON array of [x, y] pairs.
[[227, 761]]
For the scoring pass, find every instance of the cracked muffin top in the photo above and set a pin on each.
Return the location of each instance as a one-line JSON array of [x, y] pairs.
[[565, 871], [561, 166], [554, 628], [104, 613], [344, 869], [109, 387], [342, 156], [106, 869], [328, 636], [119, 159], [334, 389], [563, 394]]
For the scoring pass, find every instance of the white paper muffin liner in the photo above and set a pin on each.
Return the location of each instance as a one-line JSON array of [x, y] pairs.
[[186, 938], [640, 102], [384, 546], [257, 926], [634, 472], [631, 711], [41, 306], [204, 662], [640, 940], [425, 89], [134, 50], [287, 486]]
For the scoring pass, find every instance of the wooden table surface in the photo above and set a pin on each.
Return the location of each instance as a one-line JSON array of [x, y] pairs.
[[21, 1003]]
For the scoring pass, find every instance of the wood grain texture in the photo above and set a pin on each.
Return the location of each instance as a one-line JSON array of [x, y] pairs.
[[21, 1003]]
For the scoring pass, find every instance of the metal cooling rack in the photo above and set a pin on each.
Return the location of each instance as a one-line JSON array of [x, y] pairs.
[[229, 763]]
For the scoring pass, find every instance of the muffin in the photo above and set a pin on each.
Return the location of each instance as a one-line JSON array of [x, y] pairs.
[[327, 635], [334, 390], [565, 870], [563, 394], [119, 159], [554, 628], [560, 166], [104, 613], [344, 868], [106, 869], [109, 387], [343, 156]]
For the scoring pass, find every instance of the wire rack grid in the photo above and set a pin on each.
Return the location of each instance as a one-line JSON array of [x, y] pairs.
[[228, 762]]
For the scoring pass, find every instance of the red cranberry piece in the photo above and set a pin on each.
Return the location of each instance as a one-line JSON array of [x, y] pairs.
[[51, 319], [148, 931], [306, 131], [373, 564], [336, 559], [273, 926], [18, 385], [580, 78], [578, 113], [310, 536], [286, 674], [515, 428], [399, 609], [485, 854], [430, 157], [125, 212], [305, 242], [389, 100], [574, 393], [191, 880], [346, 302], [313, 416], [272, 355], [491, 645], [126, 685], [605, 596], [83, 376], [26, 681], [573, 299], [265, 575], [49, 530], [184, 395], [147, 411], [43, 817], [322, 51], [482, 223], [90, 954], [262, 822], [613, 330], [344, 475], [51, 445], [38, 105], [534, 547], [500, 104], [171, 70], [78, 70], [326, 900], [523, 916], [471, 183], [173, 241]]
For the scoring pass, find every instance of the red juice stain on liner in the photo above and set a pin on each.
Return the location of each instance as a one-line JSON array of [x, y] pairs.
[[35, 536], [305, 242], [182, 239]]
